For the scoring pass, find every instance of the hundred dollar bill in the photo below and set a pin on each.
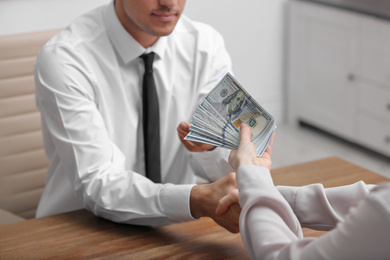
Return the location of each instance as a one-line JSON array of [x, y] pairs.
[[218, 117]]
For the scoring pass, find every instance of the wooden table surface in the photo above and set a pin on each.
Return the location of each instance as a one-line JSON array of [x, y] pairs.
[[81, 235]]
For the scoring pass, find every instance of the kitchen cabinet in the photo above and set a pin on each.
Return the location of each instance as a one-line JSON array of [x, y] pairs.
[[338, 73]]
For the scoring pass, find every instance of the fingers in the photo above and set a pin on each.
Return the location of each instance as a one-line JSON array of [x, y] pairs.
[[270, 145], [226, 202], [232, 222], [183, 129], [246, 152], [245, 133], [268, 150], [196, 147]]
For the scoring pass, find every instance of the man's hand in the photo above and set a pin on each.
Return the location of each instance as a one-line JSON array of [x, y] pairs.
[[182, 130], [204, 200]]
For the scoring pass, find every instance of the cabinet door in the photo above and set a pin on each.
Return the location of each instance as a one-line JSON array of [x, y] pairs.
[[373, 59], [373, 88], [322, 59]]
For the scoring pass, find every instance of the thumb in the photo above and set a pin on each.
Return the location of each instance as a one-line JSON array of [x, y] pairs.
[[184, 126], [227, 201], [245, 133]]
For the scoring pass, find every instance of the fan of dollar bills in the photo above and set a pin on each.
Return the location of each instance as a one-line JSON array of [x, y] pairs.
[[218, 117]]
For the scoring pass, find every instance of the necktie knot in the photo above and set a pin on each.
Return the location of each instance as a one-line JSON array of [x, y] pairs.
[[148, 61]]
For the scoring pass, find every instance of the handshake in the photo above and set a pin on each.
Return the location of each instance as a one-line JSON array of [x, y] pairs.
[[245, 128]]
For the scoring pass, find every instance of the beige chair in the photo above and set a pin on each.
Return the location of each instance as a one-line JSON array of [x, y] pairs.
[[23, 162]]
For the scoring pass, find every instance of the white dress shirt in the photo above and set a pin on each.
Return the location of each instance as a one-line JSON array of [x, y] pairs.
[[88, 90], [271, 219]]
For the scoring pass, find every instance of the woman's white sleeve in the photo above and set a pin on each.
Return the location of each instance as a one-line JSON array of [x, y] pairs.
[[270, 228]]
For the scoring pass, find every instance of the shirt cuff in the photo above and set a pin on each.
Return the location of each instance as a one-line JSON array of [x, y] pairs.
[[261, 178], [289, 193], [176, 202]]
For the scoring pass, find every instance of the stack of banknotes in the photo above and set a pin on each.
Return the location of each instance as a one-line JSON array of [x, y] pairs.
[[218, 117]]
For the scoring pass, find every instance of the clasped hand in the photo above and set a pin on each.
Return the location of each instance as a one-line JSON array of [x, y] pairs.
[[219, 200]]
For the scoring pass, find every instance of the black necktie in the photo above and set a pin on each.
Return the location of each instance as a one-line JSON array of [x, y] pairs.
[[151, 121]]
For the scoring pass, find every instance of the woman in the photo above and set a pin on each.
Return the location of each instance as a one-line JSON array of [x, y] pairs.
[[271, 217]]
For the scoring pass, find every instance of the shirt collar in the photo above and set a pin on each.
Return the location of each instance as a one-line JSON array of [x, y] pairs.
[[127, 47]]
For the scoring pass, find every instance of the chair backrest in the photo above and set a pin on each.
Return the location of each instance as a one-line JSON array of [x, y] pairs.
[[23, 163]]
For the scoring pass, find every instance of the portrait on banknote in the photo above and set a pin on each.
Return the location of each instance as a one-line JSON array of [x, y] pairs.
[[230, 105]]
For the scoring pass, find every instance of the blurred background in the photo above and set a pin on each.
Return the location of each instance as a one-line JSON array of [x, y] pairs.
[[321, 68]]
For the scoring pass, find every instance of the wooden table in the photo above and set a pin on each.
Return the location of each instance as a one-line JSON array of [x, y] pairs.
[[81, 235]]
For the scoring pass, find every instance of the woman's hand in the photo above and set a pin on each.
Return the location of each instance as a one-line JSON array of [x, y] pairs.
[[246, 153], [227, 201], [182, 130]]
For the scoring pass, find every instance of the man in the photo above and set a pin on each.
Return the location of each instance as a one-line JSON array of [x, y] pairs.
[[89, 91]]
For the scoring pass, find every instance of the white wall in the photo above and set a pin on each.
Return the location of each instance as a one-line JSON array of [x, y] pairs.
[[18, 16], [253, 32], [254, 36]]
